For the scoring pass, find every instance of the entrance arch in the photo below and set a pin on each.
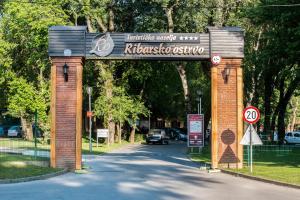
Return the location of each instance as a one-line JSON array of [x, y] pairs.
[[70, 46]]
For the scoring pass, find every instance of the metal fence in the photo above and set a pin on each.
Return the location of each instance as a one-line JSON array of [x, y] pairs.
[[274, 150], [32, 150]]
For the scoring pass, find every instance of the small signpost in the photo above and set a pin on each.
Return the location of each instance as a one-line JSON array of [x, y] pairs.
[[195, 131], [251, 115], [102, 133]]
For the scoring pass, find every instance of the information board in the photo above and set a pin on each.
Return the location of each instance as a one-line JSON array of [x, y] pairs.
[[195, 130], [102, 133]]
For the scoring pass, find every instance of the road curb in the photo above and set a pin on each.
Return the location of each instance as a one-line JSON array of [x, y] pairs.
[[260, 179], [34, 178]]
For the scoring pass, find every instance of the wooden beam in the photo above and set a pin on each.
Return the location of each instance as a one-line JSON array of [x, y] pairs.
[[53, 117], [240, 107], [78, 115], [214, 117]]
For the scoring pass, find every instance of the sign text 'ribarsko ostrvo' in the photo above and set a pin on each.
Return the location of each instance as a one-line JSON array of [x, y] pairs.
[[227, 42], [164, 45]]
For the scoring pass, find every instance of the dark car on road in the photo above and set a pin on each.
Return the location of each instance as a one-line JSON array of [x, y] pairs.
[[157, 136], [177, 134]]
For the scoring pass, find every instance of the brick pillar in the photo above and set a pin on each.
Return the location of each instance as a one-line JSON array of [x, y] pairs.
[[66, 113], [227, 107]]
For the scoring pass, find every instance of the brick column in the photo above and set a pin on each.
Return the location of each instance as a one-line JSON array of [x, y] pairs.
[[66, 113], [227, 107]]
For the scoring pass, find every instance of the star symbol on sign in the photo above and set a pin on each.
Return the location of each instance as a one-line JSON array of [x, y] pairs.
[[181, 38], [191, 38], [186, 38], [195, 38]]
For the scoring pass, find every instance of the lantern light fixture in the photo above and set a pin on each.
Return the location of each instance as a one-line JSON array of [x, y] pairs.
[[66, 71]]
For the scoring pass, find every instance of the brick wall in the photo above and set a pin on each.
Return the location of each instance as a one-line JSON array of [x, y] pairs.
[[228, 114], [64, 108]]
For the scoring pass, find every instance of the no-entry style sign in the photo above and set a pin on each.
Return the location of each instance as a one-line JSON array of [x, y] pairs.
[[251, 114]]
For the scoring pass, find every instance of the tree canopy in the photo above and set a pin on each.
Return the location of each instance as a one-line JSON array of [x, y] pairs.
[[125, 91]]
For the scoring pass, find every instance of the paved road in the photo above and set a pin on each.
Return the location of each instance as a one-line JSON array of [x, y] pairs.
[[154, 172]]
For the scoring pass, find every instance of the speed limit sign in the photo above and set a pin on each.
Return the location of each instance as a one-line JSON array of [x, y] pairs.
[[251, 114], [216, 59]]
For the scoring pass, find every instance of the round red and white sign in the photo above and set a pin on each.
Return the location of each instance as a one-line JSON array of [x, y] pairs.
[[251, 114], [216, 59]]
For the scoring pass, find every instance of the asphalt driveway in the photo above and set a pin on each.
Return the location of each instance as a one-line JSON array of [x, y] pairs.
[[146, 172]]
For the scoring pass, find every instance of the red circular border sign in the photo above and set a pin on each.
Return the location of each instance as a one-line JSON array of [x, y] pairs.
[[258, 114], [216, 62]]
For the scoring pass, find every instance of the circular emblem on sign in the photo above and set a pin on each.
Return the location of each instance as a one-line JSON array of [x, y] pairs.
[[216, 59], [228, 137], [102, 45], [251, 114]]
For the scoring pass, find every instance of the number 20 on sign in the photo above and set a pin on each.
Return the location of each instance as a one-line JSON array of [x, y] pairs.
[[251, 114]]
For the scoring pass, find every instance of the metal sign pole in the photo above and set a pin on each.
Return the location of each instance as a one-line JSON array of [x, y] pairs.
[[97, 140], [200, 107], [251, 169], [35, 132], [90, 119]]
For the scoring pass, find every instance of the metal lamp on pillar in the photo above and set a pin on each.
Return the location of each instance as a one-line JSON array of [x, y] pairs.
[[227, 74], [66, 70]]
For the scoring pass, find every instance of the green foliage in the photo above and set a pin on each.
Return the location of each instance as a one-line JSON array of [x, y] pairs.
[[24, 56], [124, 108], [271, 63]]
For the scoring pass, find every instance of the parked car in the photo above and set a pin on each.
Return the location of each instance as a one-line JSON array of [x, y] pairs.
[[39, 132], [14, 131], [178, 134], [2, 134], [157, 136], [292, 138]]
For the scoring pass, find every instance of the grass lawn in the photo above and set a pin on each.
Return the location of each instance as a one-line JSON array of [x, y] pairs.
[[204, 156], [284, 167], [15, 166], [102, 148], [19, 143]]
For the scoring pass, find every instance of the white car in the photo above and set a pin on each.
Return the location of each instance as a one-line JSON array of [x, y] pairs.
[[14, 131], [292, 137]]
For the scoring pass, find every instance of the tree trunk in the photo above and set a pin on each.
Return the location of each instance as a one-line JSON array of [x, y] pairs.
[[119, 128], [27, 129], [284, 100], [107, 75], [132, 134], [89, 24], [169, 13], [267, 103], [186, 92], [274, 118], [180, 68], [294, 115], [219, 18], [111, 26], [281, 120]]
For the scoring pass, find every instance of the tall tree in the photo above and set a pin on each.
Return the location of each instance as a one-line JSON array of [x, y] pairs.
[[24, 26]]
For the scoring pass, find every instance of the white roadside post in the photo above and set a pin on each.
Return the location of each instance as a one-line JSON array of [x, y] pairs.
[[251, 115]]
